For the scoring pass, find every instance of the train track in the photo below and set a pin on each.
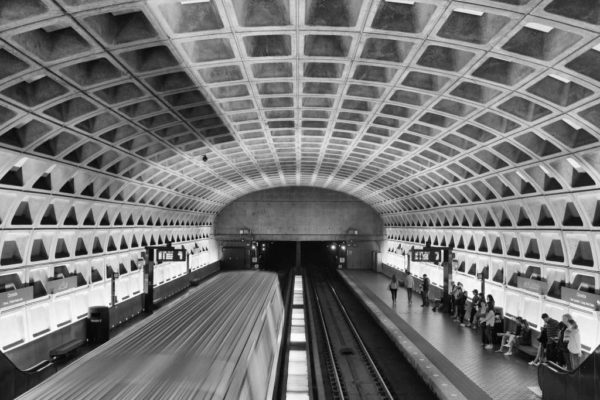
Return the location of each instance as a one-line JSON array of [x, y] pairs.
[[350, 369]]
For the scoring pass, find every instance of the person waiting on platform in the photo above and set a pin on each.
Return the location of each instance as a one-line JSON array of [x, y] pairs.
[[475, 304], [549, 332], [509, 337], [393, 286], [488, 326], [425, 291], [409, 282], [524, 339], [573, 345], [461, 303], [452, 290], [562, 353], [456, 295]]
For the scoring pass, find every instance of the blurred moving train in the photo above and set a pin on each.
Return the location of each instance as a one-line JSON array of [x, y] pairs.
[[220, 341]]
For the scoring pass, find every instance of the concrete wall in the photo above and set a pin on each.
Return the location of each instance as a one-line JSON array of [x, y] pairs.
[[303, 214]]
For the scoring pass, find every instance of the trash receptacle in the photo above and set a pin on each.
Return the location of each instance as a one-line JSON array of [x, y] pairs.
[[98, 325]]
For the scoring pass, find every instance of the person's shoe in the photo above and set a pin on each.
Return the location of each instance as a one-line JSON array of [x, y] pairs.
[[489, 347], [532, 362], [537, 364], [468, 324], [508, 353], [463, 325], [499, 350]]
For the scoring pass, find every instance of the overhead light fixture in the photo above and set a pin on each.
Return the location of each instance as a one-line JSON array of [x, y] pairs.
[[185, 2], [559, 78], [469, 11], [538, 27], [574, 163], [520, 175], [401, 1], [572, 123]]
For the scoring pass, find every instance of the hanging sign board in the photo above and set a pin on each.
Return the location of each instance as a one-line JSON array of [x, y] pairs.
[[426, 255], [59, 285], [13, 297], [533, 285], [585, 299]]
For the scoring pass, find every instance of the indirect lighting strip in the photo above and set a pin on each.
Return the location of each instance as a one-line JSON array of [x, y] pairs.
[[297, 371]]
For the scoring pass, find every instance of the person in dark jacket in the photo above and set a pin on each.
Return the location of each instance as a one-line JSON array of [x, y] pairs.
[[475, 303], [461, 303], [425, 291], [562, 353]]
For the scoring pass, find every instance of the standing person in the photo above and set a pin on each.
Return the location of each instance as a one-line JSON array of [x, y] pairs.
[[474, 308], [549, 331], [490, 318], [462, 304], [425, 292], [456, 294], [393, 286], [553, 328], [562, 355], [452, 291], [491, 303], [410, 284], [574, 344]]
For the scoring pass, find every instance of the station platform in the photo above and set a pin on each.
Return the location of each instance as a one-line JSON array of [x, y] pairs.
[[448, 357]]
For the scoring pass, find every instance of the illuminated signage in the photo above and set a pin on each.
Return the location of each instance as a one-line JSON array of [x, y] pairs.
[[427, 255], [13, 297], [585, 299]]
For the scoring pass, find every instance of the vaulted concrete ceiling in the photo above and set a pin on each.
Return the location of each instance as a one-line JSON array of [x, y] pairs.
[[407, 105]]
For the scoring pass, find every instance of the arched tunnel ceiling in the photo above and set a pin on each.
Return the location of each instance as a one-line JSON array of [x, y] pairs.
[[406, 105]]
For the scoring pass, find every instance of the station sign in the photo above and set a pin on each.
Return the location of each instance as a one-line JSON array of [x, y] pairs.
[[426, 255], [533, 285], [584, 299], [169, 254], [59, 285], [16, 296]]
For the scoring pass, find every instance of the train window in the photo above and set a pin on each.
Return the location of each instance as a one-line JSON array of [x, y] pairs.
[[486, 272], [473, 269], [133, 265], [461, 267], [499, 276], [37, 279], [122, 269], [96, 275], [10, 282], [61, 271], [556, 279], [584, 283], [109, 271], [533, 272]]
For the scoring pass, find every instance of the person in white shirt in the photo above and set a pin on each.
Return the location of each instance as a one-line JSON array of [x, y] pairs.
[[409, 282], [393, 286], [574, 344]]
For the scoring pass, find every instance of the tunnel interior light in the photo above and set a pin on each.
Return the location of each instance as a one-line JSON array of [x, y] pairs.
[[333, 247], [469, 11], [572, 123], [185, 2], [539, 27], [574, 163]]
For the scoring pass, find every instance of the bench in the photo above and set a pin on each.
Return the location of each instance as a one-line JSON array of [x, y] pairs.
[[529, 349], [66, 349]]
